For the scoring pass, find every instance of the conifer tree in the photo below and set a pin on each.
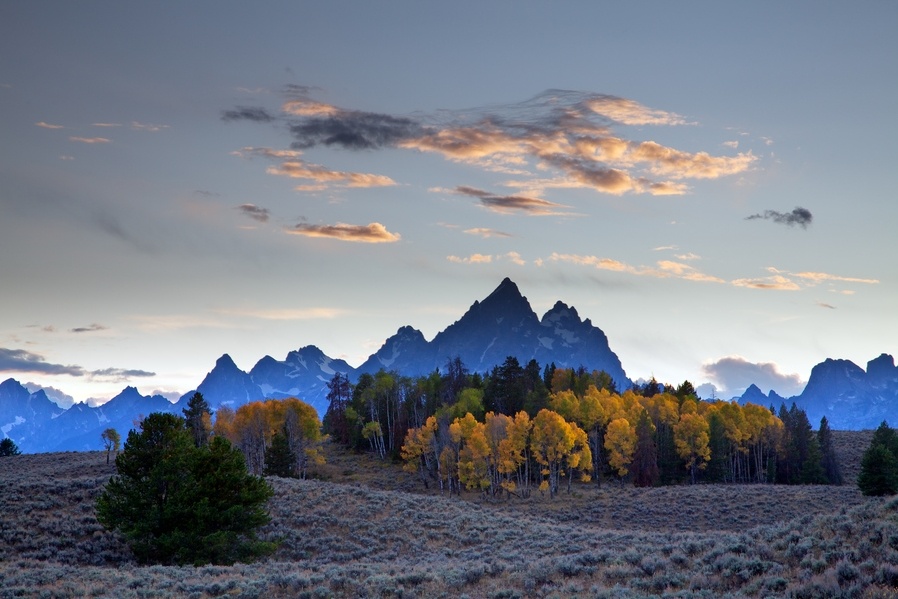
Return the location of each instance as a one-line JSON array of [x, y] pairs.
[[339, 394], [828, 460], [8, 447], [198, 416], [279, 460], [879, 465], [645, 458], [879, 471], [177, 503]]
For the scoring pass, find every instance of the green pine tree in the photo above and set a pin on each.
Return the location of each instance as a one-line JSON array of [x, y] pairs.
[[879, 471], [199, 419], [279, 460], [177, 503], [8, 447], [828, 461]]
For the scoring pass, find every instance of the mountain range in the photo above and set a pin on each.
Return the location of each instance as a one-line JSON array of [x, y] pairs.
[[502, 325]]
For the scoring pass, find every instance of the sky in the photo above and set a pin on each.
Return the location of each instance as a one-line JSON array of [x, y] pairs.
[[712, 184]]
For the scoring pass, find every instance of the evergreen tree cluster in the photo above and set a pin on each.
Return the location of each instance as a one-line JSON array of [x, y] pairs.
[[179, 503], [879, 464]]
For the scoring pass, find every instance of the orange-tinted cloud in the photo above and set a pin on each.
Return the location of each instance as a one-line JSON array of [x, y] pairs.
[[775, 282], [293, 166], [513, 257], [298, 169], [569, 136], [371, 233], [819, 277]]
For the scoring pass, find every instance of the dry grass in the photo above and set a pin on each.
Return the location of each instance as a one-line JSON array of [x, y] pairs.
[[367, 529]]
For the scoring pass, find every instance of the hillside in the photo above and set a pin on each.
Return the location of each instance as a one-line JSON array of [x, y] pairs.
[[389, 539]]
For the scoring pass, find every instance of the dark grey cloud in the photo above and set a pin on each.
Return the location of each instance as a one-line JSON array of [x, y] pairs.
[[255, 212], [300, 91], [20, 360], [247, 113], [354, 131], [509, 203], [799, 216], [120, 373], [89, 329]]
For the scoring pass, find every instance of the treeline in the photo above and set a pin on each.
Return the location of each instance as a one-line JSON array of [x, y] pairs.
[[522, 427]]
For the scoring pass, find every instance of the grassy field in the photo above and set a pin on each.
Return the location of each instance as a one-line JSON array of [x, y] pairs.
[[365, 528]]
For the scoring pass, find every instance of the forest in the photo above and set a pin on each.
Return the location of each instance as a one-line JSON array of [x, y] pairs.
[[520, 428]]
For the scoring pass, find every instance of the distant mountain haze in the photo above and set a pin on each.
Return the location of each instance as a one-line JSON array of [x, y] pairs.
[[501, 325]]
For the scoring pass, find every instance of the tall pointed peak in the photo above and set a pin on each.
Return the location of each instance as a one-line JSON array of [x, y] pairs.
[[225, 361], [506, 288]]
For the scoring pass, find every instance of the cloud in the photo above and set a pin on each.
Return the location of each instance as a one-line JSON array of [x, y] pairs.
[[371, 233], [177, 322], [513, 257], [510, 204], [353, 130], [663, 269], [20, 360], [90, 140], [793, 281], [568, 135], [735, 374], [630, 112], [60, 398], [818, 277], [799, 216], [285, 314], [298, 169], [247, 113], [486, 233], [106, 124], [119, 374], [776, 282], [254, 212], [472, 259], [44, 125], [89, 329], [147, 127], [293, 166]]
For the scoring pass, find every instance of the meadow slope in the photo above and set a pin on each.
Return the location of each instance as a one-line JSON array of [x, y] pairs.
[[365, 528]]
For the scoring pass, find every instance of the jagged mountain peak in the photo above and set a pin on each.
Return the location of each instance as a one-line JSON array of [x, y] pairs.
[[12, 385], [506, 297], [225, 362], [561, 312], [882, 369]]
